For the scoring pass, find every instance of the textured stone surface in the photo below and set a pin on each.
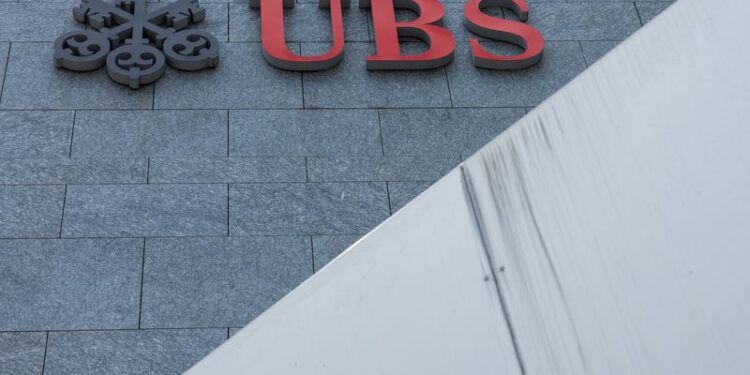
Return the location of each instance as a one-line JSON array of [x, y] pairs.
[[432, 132], [33, 82], [22, 353], [36, 21], [584, 21], [403, 192], [303, 23], [594, 50], [216, 21], [69, 284], [350, 85], [649, 10], [242, 80], [31, 211], [472, 87], [325, 248], [72, 171], [319, 208], [150, 133], [34, 134], [150, 352], [145, 210], [227, 170], [304, 133], [380, 168], [219, 282]]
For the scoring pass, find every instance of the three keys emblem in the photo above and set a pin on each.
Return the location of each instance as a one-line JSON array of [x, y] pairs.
[[136, 44]]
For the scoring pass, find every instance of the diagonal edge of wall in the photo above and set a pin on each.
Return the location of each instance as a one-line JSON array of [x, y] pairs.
[[609, 215]]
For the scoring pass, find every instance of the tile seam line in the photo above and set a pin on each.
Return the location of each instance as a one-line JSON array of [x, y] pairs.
[[295, 182], [341, 182], [251, 109], [183, 158], [145, 329], [62, 213], [229, 216], [5, 71], [380, 131], [585, 60], [44, 357], [448, 83], [638, 12], [167, 237], [143, 273], [312, 255], [72, 134]]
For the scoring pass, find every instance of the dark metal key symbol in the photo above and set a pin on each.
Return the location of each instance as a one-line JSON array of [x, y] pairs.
[[129, 40]]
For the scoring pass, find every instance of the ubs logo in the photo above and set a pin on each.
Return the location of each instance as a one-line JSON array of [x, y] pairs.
[[136, 44]]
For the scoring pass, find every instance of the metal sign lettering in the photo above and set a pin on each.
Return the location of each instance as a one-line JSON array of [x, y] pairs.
[[135, 44]]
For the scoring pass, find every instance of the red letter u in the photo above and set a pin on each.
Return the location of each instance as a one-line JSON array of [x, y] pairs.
[[275, 50]]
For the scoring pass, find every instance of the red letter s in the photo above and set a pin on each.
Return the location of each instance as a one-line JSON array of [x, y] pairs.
[[514, 32]]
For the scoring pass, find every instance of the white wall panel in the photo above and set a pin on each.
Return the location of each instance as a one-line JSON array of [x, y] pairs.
[[607, 232]]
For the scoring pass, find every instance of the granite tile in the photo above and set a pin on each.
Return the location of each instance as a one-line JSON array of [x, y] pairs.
[[473, 87], [150, 133], [28, 211], [145, 210], [325, 248], [649, 10], [303, 23], [37, 21], [219, 282], [70, 284], [594, 50], [398, 168], [584, 21], [304, 132], [402, 193], [35, 134], [451, 131], [314, 208], [351, 85], [227, 170], [33, 82], [22, 353], [216, 21], [148, 352], [242, 80], [72, 171]]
